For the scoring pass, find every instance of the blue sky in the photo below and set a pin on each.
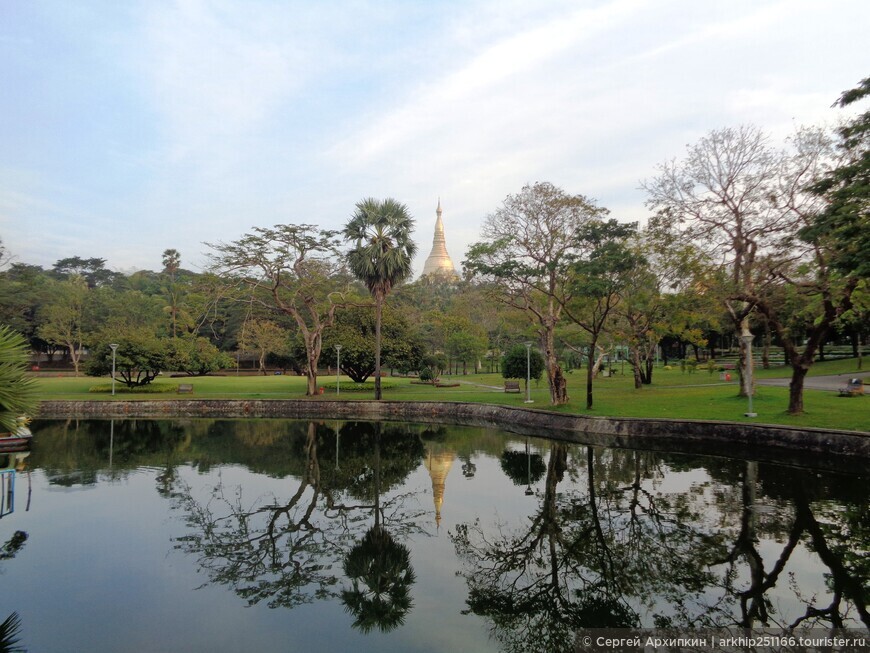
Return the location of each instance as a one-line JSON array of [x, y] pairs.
[[131, 127]]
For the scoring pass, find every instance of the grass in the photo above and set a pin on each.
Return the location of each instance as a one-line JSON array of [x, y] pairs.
[[673, 394]]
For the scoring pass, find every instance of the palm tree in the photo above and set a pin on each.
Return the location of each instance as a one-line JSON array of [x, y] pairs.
[[17, 390], [381, 256]]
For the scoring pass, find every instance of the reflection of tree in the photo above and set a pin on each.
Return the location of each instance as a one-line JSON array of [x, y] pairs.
[[286, 552], [538, 585], [842, 532], [523, 468], [273, 552], [9, 631], [10, 628], [379, 569], [381, 576], [13, 546]]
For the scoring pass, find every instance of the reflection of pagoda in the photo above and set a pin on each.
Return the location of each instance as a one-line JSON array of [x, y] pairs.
[[438, 464], [439, 263]]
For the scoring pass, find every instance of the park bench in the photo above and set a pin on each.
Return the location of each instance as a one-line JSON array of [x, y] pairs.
[[185, 388], [854, 388], [511, 386]]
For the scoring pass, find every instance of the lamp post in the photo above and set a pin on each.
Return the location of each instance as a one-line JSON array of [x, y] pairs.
[[747, 342], [528, 373], [114, 347], [337, 369]]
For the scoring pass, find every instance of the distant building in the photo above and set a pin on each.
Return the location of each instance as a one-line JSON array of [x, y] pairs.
[[439, 262]]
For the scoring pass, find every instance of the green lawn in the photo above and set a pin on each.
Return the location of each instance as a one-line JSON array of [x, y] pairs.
[[674, 394]]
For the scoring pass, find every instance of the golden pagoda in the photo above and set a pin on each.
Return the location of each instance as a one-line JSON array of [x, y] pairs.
[[439, 262]]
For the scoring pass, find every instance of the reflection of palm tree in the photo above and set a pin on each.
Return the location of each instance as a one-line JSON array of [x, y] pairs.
[[381, 575], [9, 630], [383, 566]]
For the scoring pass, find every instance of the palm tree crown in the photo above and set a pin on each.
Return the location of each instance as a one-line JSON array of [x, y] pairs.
[[383, 249]]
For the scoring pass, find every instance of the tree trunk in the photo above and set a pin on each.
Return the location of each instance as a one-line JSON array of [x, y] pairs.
[[379, 309], [311, 373], [590, 372], [796, 389], [555, 378]]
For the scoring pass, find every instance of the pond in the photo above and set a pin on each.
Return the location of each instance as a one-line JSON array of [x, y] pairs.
[[230, 535]]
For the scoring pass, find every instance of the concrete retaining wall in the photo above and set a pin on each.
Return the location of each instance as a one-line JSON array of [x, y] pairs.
[[760, 442]]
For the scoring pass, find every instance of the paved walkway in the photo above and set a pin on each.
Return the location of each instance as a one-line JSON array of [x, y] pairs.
[[831, 383]]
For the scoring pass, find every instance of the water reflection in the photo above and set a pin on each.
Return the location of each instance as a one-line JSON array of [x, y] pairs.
[[288, 551], [547, 538], [625, 551]]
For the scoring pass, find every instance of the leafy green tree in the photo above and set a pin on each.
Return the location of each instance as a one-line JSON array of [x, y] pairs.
[[598, 279], [355, 330], [291, 269], [527, 255], [24, 289], [63, 318], [263, 337], [93, 270], [139, 359], [846, 218], [514, 364], [195, 356], [381, 255], [17, 390]]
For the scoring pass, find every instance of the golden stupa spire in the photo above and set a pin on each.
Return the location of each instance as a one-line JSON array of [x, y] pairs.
[[439, 262]]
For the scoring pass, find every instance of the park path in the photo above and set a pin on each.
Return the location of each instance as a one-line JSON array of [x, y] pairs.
[[832, 382]]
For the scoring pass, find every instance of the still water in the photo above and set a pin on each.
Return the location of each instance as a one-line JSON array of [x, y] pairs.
[[268, 535]]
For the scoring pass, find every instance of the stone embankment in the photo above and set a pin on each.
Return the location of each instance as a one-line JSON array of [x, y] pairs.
[[817, 447]]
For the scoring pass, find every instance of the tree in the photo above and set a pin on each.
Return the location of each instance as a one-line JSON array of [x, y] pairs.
[[263, 337], [519, 362], [292, 269], [171, 266], [598, 280], [195, 356], [663, 295], [846, 218], [354, 329], [63, 319], [381, 254], [746, 205], [527, 254], [723, 197], [17, 390], [93, 270], [139, 359]]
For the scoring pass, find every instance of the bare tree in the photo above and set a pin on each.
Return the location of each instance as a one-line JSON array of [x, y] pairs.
[[723, 197]]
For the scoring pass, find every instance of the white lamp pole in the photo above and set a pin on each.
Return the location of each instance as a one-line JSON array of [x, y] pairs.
[[337, 369], [747, 342], [114, 347], [528, 373]]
